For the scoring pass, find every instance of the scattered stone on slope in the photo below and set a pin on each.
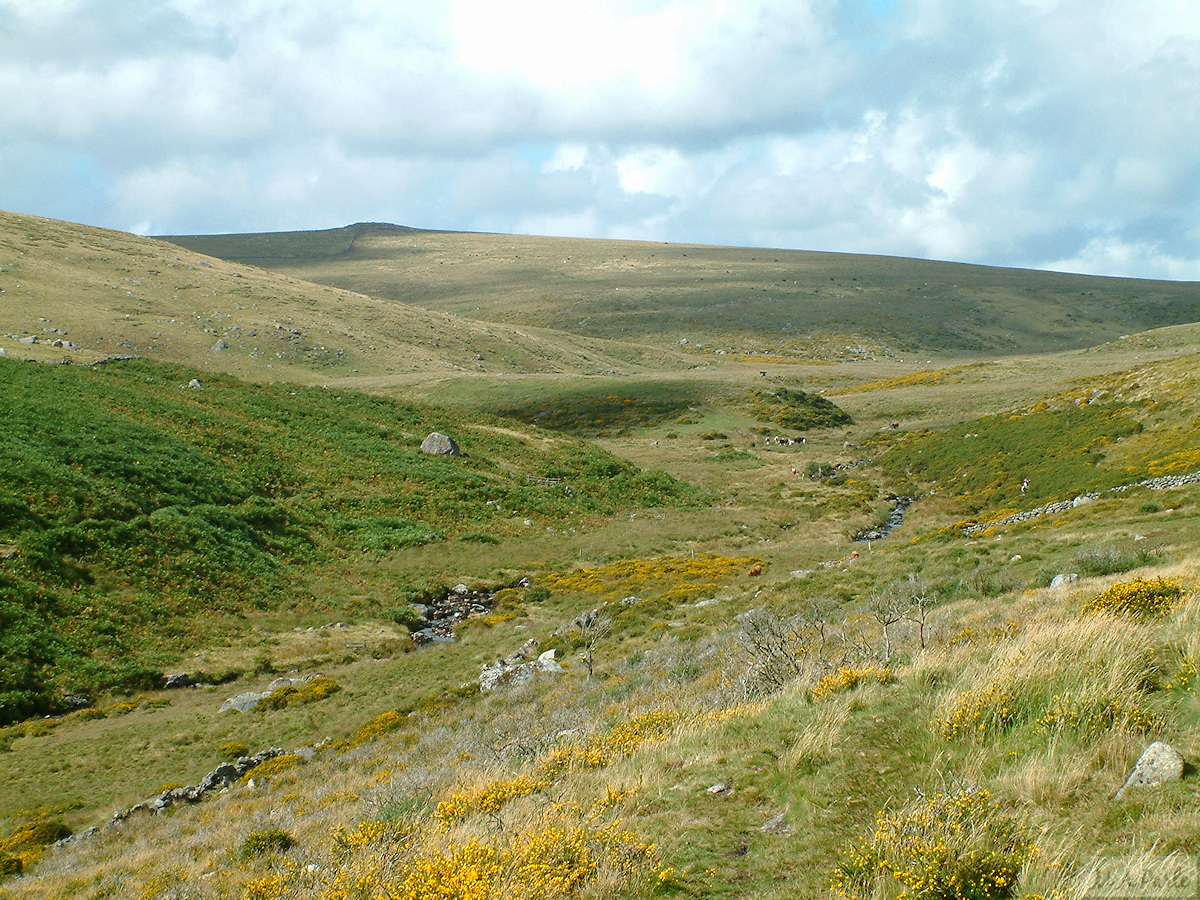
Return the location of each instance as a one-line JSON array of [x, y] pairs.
[[777, 825], [244, 702], [219, 346], [720, 789], [528, 650], [1158, 764], [218, 779], [195, 384], [438, 444], [504, 674], [1063, 579], [177, 680]]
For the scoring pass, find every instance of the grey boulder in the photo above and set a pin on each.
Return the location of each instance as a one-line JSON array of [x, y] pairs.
[[1158, 764], [438, 444]]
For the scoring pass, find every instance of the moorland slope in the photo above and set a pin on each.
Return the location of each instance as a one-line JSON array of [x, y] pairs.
[[754, 302], [753, 693], [145, 511], [103, 293]]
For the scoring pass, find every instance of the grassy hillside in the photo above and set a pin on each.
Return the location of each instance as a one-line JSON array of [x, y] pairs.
[[752, 704], [136, 506], [772, 744], [760, 303], [107, 293]]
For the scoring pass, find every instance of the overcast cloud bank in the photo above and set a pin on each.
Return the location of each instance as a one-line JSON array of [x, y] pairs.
[[1044, 133]]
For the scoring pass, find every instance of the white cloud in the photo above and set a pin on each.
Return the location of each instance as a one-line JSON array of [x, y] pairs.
[[1048, 132], [1105, 255], [561, 47], [566, 158]]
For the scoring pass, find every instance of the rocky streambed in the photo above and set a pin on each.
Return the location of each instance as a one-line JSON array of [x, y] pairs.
[[890, 524], [437, 619]]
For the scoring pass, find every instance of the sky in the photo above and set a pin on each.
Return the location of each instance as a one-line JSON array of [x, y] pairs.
[[1054, 134]]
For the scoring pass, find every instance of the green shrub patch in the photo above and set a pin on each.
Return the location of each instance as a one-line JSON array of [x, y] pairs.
[[138, 505]]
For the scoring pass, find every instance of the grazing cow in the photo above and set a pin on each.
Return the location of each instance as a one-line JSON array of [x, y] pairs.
[[755, 570]]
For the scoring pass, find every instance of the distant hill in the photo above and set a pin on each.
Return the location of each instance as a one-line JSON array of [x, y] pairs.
[[745, 300], [104, 293]]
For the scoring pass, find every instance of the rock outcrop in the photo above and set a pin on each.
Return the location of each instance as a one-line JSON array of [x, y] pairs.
[[218, 779], [244, 702], [505, 674]]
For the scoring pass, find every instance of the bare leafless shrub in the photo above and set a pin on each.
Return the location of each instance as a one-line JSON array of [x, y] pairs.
[[775, 650]]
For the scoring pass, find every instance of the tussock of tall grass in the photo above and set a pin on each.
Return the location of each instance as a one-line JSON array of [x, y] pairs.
[[598, 751], [1132, 871], [340, 842], [819, 740], [550, 791], [1085, 675], [363, 819], [1053, 774]]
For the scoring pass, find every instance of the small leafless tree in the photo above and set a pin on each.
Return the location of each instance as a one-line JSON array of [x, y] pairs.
[[887, 607], [593, 628], [920, 602]]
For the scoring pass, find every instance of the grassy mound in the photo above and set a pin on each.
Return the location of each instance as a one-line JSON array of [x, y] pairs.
[[796, 409], [606, 407]]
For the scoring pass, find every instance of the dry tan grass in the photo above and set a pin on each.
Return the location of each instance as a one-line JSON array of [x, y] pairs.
[[114, 293], [820, 739]]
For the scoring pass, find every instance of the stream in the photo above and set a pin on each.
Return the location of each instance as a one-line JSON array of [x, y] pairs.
[[893, 521]]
